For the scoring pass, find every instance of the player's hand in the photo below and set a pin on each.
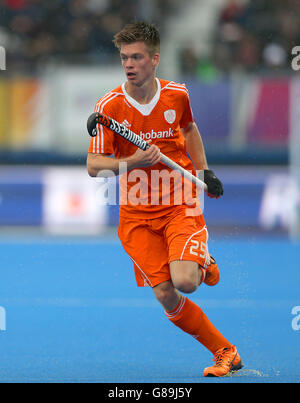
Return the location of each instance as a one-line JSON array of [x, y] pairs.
[[214, 185], [146, 158]]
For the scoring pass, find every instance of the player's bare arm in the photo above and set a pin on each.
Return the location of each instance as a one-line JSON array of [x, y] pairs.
[[100, 165], [195, 149], [194, 146]]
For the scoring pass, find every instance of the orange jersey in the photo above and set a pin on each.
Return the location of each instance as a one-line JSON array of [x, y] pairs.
[[159, 123]]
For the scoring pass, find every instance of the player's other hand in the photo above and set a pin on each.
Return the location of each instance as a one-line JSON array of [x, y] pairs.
[[146, 158], [214, 185]]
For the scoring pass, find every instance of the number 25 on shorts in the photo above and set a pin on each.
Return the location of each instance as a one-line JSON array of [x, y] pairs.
[[201, 247]]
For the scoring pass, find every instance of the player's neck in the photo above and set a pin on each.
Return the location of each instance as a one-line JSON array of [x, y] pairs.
[[144, 93]]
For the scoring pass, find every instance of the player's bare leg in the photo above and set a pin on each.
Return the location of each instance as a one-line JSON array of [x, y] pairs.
[[186, 275], [167, 295]]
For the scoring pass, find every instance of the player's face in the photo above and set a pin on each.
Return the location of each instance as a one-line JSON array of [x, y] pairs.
[[138, 64]]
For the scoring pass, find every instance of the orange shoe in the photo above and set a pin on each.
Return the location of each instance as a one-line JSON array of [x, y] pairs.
[[226, 360], [212, 274]]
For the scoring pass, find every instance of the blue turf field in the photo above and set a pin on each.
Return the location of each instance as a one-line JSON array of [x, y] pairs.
[[74, 314]]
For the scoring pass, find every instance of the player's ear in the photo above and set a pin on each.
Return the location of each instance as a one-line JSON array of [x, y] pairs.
[[155, 59]]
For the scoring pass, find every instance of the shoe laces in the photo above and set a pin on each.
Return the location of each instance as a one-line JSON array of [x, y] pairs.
[[221, 357]]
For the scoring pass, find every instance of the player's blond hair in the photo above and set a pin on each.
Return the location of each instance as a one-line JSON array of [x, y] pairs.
[[139, 32]]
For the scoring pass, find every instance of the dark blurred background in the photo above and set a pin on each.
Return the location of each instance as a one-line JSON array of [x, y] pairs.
[[252, 36]]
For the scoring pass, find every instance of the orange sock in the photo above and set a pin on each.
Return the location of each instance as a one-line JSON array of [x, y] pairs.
[[190, 318]]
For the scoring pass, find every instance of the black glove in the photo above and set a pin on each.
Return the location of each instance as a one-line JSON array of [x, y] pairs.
[[214, 185]]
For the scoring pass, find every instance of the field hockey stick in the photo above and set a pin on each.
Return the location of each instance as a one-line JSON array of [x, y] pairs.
[[112, 124]]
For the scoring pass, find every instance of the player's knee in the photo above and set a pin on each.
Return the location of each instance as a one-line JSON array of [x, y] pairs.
[[186, 285], [185, 275]]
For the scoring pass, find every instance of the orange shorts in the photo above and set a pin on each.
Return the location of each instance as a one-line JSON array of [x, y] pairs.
[[153, 243]]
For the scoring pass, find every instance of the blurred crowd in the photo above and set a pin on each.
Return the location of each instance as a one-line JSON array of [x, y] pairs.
[[37, 31], [252, 36]]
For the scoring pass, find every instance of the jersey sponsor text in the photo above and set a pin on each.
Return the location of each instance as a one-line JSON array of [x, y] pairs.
[[157, 135]]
